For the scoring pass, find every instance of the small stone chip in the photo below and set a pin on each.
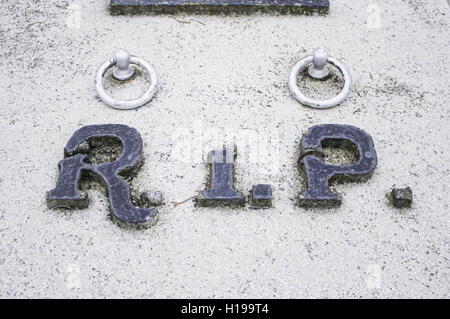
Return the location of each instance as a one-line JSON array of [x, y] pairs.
[[261, 196], [402, 197]]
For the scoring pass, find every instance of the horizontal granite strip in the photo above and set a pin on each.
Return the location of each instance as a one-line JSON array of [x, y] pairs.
[[121, 7]]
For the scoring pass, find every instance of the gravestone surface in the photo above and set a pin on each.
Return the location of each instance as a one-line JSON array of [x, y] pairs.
[[118, 7], [74, 167], [319, 173], [221, 192]]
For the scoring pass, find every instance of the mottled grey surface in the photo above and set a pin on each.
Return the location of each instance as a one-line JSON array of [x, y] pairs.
[[229, 73]]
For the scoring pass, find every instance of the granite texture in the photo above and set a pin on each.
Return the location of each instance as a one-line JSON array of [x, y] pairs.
[[224, 76]]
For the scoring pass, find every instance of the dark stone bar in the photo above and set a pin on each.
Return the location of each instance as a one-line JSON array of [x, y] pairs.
[[132, 7]]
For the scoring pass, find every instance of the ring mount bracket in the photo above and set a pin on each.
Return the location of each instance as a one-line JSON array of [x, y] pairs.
[[124, 71], [318, 70]]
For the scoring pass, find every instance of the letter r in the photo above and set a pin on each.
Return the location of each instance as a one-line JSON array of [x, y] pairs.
[[66, 193]]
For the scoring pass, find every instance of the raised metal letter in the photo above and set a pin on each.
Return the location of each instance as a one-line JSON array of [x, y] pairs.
[[319, 173], [66, 193], [221, 192]]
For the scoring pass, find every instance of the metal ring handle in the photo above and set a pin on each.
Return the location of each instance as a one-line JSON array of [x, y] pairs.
[[319, 104], [126, 104]]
